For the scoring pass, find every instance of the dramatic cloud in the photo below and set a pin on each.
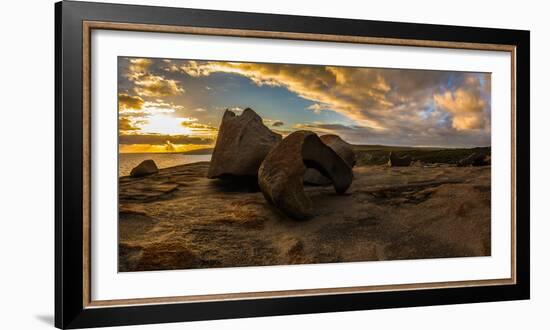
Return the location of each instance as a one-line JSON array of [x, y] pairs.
[[150, 84], [351, 91], [139, 65], [192, 68], [377, 98], [156, 86], [363, 105], [197, 126], [125, 124], [465, 107], [466, 104], [129, 102], [145, 109], [161, 139]]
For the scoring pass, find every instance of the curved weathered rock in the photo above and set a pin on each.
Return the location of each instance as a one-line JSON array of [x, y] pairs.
[[242, 144], [281, 174], [395, 160], [146, 167], [342, 148]]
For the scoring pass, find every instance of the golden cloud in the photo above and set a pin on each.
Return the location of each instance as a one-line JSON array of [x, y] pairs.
[[466, 105], [135, 106], [467, 109], [139, 65], [334, 88], [192, 68], [129, 102], [383, 99], [149, 84], [125, 124], [197, 126], [382, 105], [156, 86]]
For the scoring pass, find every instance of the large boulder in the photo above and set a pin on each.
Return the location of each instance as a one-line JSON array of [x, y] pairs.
[[146, 167], [395, 160], [281, 174], [242, 144], [342, 148]]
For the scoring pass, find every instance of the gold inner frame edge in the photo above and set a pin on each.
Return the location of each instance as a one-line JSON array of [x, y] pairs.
[[88, 26]]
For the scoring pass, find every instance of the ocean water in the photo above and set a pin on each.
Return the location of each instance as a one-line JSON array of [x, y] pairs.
[[126, 162]]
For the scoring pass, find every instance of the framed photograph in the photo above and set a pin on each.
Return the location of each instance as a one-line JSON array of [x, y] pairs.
[[214, 164]]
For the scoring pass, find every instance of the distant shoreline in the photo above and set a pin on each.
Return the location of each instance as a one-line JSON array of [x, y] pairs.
[[365, 155], [209, 151], [204, 151]]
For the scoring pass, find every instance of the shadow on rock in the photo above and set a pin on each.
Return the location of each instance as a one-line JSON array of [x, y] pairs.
[[230, 183]]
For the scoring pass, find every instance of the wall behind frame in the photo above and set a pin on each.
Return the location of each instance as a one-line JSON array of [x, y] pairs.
[[27, 168]]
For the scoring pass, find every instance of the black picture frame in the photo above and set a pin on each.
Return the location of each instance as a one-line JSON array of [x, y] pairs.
[[70, 309]]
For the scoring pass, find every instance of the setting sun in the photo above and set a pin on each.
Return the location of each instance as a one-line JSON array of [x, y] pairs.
[[164, 124]]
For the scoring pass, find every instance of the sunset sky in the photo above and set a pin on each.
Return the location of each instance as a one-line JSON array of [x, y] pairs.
[[168, 105]]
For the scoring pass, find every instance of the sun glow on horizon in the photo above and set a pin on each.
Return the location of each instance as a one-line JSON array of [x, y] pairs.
[[157, 148], [164, 124]]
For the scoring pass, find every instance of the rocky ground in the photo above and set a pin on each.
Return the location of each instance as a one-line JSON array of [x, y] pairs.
[[178, 218]]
